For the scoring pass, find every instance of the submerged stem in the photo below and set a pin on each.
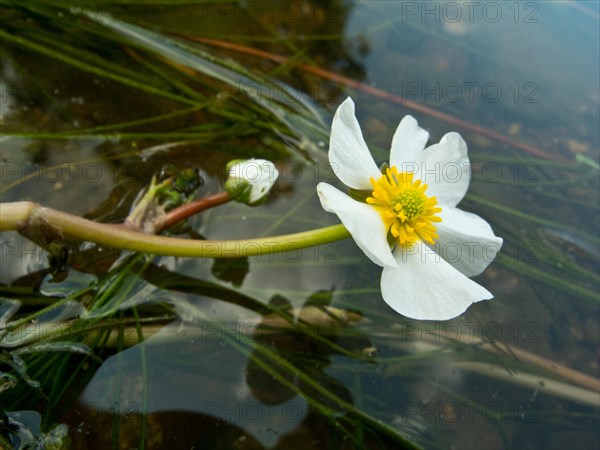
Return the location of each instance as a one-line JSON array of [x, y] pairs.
[[21, 216]]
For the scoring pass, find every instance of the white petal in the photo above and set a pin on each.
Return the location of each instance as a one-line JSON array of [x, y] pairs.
[[408, 141], [425, 287], [446, 169], [260, 174], [466, 241], [362, 221], [349, 155]]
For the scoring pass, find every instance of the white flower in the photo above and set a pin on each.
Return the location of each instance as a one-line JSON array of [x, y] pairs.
[[250, 180], [425, 244]]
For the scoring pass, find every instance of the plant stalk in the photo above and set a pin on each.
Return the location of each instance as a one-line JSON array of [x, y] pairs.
[[21, 216]]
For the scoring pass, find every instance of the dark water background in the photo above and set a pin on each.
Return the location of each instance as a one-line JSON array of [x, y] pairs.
[[520, 371]]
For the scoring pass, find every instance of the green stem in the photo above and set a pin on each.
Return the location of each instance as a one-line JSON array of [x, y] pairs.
[[22, 215], [80, 64]]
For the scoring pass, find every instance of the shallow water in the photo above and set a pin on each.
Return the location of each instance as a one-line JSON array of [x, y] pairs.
[[221, 367]]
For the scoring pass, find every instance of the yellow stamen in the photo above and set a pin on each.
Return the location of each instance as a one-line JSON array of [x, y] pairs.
[[405, 209]]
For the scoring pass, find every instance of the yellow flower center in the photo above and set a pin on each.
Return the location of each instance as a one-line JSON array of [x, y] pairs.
[[405, 209]]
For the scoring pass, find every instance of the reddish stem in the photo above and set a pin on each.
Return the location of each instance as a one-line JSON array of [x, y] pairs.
[[385, 95], [185, 211]]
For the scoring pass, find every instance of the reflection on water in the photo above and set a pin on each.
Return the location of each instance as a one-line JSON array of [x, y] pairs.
[[212, 391], [298, 350]]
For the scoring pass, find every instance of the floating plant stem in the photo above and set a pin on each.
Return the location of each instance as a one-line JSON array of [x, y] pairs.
[[21, 216]]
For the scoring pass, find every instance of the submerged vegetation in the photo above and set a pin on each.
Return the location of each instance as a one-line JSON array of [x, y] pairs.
[[127, 349]]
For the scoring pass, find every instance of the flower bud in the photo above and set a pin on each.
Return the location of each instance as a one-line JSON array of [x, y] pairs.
[[250, 180]]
